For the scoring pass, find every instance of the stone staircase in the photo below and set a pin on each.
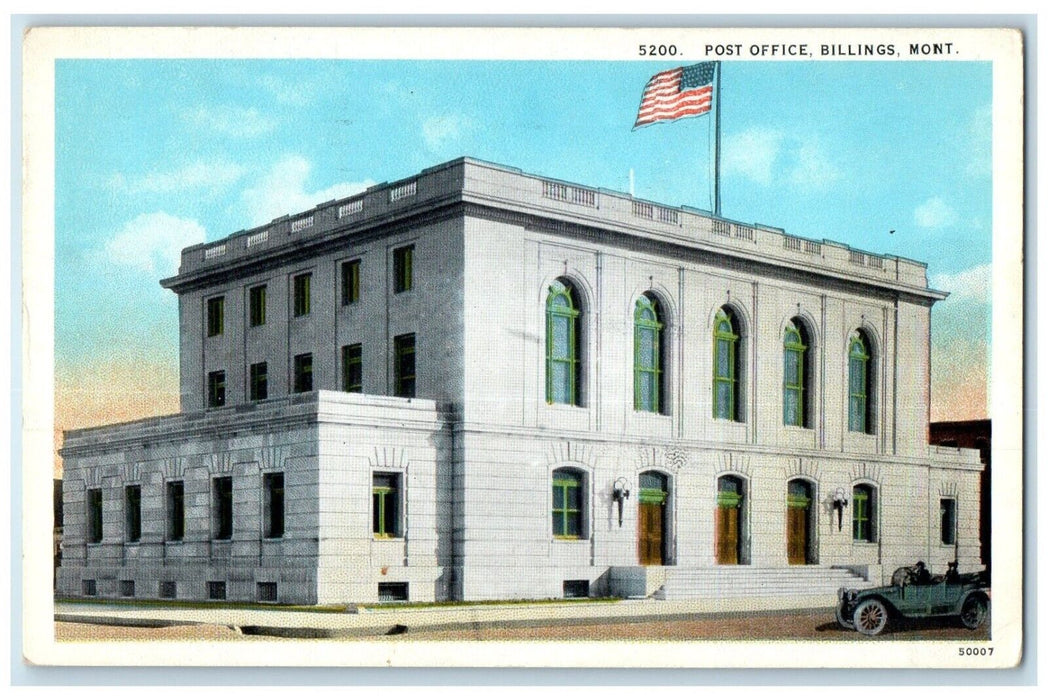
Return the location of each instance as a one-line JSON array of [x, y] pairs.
[[755, 582]]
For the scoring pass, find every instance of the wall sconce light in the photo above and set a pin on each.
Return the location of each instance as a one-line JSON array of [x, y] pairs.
[[620, 492], [840, 502]]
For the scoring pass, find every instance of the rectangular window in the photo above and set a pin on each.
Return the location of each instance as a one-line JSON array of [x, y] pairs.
[[216, 590], [392, 592], [257, 305], [402, 268], [862, 513], [168, 589], [567, 505], [223, 507], [948, 520], [127, 589], [259, 385], [89, 587], [176, 511], [352, 369], [304, 372], [94, 515], [215, 316], [385, 505], [404, 367], [216, 389], [350, 282], [133, 513], [267, 591], [273, 487], [301, 284]]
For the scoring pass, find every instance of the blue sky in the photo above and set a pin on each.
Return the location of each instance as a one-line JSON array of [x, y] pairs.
[[154, 155]]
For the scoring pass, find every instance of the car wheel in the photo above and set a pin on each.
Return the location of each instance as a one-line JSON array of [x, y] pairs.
[[973, 612], [871, 617]]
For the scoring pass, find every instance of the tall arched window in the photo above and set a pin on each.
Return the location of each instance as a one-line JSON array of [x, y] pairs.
[[863, 510], [858, 384], [725, 367], [562, 344], [568, 504], [647, 356], [795, 376]]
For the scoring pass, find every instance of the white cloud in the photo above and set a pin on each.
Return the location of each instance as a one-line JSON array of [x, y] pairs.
[[752, 154], [439, 132], [282, 190], [152, 242], [972, 284], [934, 213], [229, 120], [766, 155], [286, 92], [979, 147], [813, 168], [197, 175]]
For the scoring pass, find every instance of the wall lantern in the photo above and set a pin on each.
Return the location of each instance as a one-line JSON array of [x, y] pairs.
[[840, 502], [619, 493]]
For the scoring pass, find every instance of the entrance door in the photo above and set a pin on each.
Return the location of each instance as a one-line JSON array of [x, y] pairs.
[[727, 543], [651, 514], [650, 534], [727, 535], [798, 511]]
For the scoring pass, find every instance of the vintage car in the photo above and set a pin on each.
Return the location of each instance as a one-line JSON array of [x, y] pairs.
[[916, 593]]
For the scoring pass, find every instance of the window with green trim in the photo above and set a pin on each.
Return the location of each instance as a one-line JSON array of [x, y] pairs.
[[794, 376], [301, 285], [725, 367], [562, 345], [863, 504], [215, 316], [404, 365], [654, 488], [948, 520], [352, 368], [567, 504], [257, 305], [350, 282], [403, 264], [858, 384], [385, 505], [647, 356]]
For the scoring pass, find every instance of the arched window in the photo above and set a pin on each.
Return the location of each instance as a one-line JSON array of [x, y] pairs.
[[567, 504], [562, 344], [858, 384], [725, 367], [795, 376], [863, 510], [647, 356]]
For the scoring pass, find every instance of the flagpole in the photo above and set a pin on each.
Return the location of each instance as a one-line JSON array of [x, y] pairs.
[[717, 141]]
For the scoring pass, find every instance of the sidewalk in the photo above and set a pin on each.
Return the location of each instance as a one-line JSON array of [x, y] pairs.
[[384, 621]]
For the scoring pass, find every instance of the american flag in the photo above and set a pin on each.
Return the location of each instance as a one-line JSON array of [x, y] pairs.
[[675, 94]]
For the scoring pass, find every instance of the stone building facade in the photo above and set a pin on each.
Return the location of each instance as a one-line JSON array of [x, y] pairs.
[[477, 383]]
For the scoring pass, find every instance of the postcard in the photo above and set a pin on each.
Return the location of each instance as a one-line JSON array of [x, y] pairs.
[[523, 347]]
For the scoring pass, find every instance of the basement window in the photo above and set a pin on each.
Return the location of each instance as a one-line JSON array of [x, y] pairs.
[[393, 592]]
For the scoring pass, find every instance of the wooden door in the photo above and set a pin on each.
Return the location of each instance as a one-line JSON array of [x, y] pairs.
[[797, 535], [650, 543], [726, 535]]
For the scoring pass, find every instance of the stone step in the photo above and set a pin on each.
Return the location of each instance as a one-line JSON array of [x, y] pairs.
[[743, 581]]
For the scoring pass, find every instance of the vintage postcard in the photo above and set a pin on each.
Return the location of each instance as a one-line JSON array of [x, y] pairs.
[[523, 347]]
